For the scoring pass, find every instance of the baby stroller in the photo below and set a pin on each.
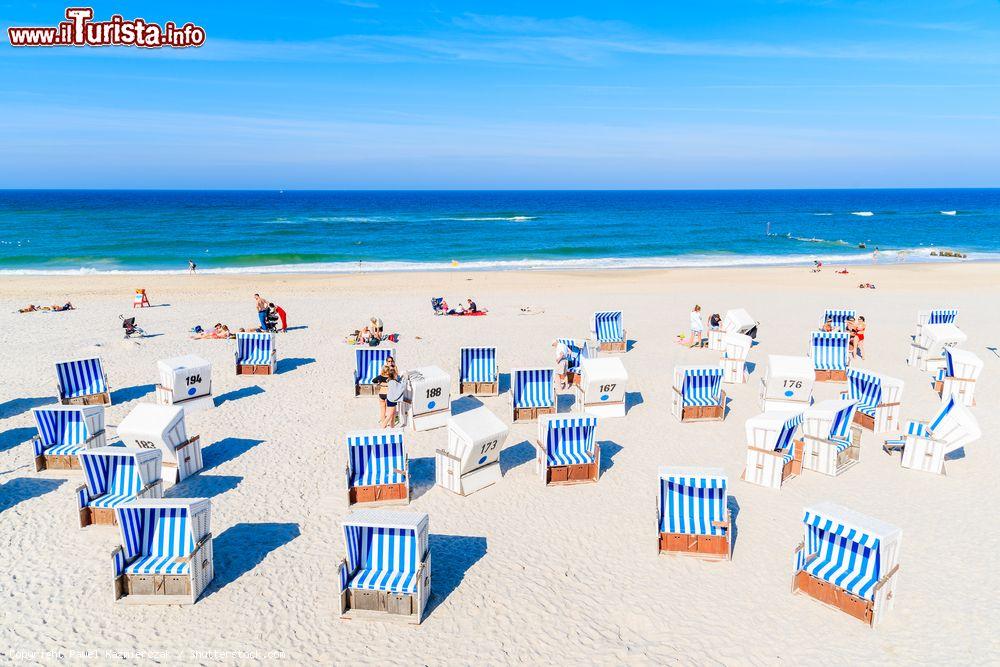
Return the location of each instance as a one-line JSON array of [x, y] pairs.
[[271, 321], [439, 306], [130, 327]]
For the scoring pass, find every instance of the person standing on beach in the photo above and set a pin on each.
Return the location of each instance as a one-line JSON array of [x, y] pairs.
[[875, 255], [191, 266], [261, 311], [696, 327]]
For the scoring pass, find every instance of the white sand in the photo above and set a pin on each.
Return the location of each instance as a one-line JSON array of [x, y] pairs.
[[521, 573]]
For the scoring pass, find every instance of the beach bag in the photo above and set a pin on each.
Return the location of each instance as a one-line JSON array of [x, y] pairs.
[[373, 342]]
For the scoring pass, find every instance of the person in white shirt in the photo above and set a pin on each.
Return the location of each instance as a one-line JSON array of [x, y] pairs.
[[696, 327]]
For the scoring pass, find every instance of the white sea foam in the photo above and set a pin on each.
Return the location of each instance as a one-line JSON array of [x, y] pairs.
[[863, 214], [822, 213], [948, 212], [512, 218]]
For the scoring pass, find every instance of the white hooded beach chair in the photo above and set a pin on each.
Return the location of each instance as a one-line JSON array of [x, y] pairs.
[[63, 432], [735, 321], [959, 375], [607, 331], [428, 398], [787, 383], [838, 318], [377, 467], [387, 572], [566, 452], [161, 427], [832, 441], [576, 350], [115, 476], [532, 393], [185, 382], [602, 387], [692, 512], [256, 353], [936, 316], [828, 350], [368, 362], [926, 444], [878, 398], [477, 371], [848, 560], [698, 394], [82, 382], [736, 350], [166, 555], [773, 452], [927, 349], [472, 459]]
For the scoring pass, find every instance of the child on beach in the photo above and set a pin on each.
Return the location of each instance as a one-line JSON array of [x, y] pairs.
[[696, 328]]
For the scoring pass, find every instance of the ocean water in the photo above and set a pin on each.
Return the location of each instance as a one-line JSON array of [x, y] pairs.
[[60, 231]]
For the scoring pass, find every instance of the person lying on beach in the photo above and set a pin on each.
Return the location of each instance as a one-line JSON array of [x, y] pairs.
[[842, 272], [219, 331], [31, 308], [866, 286]]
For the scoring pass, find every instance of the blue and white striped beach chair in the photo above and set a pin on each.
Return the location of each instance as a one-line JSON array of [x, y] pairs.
[[878, 398], [848, 560], [531, 393], [566, 452], [692, 512], [837, 317], [698, 394], [828, 350], [368, 362], [959, 376], [377, 467], [114, 476], [63, 432], [607, 331], [832, 440], [576, 350], [166, 553], [477, 371], [928, 347], [926, 444], [388, 564], [936, 316], [82, 382], [773, 452], [256, 353]]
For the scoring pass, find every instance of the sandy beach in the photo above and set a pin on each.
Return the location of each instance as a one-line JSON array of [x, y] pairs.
[[521, 573]]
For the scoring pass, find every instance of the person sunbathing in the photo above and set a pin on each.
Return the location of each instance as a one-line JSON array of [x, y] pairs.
[[31, 308], [219, 331], [828, 325]]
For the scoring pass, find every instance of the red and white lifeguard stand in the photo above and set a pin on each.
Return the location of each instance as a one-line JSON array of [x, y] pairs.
[[140, 300]]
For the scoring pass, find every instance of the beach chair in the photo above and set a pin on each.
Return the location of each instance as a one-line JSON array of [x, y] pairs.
[[878, 398], [936, 316], [828, 350], [959, 375], [692, 512], [848, 560], [566, 452], [151, 426], [166, 554], [607, 332], [927, 349], [428, 398], [113, 476], [735, 321], [256, 353], [736, 350], [140, 300], [63, 432], [185, 382], [377, 468], [838, 318], [698, 394], [601, 391], [477, 371], [472, 459], [577, 350], [926, 444], [787, 383], [832, 441], [773, 453], [368, 362], [387, 571], [82, 382], [532, 393]]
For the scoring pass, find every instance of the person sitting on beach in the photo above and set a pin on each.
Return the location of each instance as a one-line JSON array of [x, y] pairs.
[[471, 307], [562, 367], [714, 321], [376, 327], [696, 328], [828, 325]]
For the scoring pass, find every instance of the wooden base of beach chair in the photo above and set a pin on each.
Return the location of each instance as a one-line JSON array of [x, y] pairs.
[[613, 346], [97, 516], [864, 421], [90, 399], [253, 369], [580, 473], [365, 390], [380, 606], [154, 589], [57, 462], [709, 547], [378, 493], [478, 388], [831, 376], [834, 596], [701, 413], [531, 414]]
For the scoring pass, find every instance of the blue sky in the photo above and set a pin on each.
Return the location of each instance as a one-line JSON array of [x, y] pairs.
[[417, 94]]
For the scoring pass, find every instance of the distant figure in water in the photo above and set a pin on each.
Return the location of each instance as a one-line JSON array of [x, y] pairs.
[[875, 255]]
